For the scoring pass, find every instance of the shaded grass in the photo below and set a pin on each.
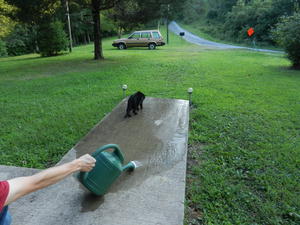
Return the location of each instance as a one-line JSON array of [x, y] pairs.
[[244, 128]]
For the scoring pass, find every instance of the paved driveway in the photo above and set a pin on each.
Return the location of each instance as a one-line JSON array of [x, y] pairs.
[[175, 28]]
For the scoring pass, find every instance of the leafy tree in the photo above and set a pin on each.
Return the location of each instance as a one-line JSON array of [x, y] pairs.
[[52, 39], [21, 40], [108, 27], [125, 15], [37, 13], [3, 51], [81, 24], [131, 14], [172, 9], [194, 10], [34, 11], [287, 35], [219, 8], [6, 23]]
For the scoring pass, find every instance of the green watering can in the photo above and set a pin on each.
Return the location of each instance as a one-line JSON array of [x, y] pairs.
[[107, 169]]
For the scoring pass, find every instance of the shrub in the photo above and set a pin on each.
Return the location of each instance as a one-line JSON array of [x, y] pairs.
[[3, 51], [52, 39], [21, 40], [287, 35], [212, 14]]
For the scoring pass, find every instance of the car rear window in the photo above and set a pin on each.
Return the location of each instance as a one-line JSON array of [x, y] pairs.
[[146, 35], [156, 35]]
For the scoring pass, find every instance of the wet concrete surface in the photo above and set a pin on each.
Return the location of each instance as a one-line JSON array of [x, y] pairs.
[[156, 138], [151, 195]]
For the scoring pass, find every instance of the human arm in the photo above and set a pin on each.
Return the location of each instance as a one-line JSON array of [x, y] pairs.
[[21, 186]]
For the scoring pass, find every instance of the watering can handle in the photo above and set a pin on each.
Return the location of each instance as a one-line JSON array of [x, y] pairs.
[[82, 175], [116, 148]]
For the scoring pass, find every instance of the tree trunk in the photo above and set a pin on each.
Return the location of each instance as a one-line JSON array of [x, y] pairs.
[[75, 40], [88, 37], [65, 5], [84, 39], [119, 32], [98, 54]]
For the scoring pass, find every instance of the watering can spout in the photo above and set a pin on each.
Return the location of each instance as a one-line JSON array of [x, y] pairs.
[[130, 166]]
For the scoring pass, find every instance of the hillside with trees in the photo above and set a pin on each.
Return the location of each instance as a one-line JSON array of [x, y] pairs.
[[229, 20]]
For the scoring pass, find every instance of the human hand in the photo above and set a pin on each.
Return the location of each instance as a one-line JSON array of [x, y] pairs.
[[86, 163]]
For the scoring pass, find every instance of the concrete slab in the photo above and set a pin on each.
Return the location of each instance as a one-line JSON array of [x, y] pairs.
[[151, 195]]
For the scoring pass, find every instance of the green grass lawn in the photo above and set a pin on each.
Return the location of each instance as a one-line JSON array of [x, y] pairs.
[[244, 150]]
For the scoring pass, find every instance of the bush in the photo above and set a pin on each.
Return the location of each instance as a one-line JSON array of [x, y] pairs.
[[52, 38], [287, 35], [21, 40], [3, 51]]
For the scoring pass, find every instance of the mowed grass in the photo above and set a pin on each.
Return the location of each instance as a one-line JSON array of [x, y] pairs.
[[244, 150]]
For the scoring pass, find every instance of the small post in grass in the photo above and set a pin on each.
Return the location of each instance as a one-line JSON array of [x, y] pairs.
[[124, 88], [168, 23], [181, 35], [251, 33], [190, 91]]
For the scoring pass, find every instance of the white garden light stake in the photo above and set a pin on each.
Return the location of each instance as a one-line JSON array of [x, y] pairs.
[[190, 91], [124, 87]]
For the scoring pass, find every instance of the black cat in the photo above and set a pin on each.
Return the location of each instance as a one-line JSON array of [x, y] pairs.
[[134, 102]]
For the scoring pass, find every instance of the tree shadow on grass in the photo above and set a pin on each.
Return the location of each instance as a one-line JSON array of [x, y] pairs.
[[286, 70], [37, 67], [9, 58], [34, 56]]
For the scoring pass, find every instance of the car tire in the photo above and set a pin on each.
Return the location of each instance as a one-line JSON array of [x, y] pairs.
[[152, 46], [121, 46]]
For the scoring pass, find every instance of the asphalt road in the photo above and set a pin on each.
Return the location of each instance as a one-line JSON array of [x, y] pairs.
[[175, 28]]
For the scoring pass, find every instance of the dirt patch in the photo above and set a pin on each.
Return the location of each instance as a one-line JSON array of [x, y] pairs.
[[193, 215], [194, 153]]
